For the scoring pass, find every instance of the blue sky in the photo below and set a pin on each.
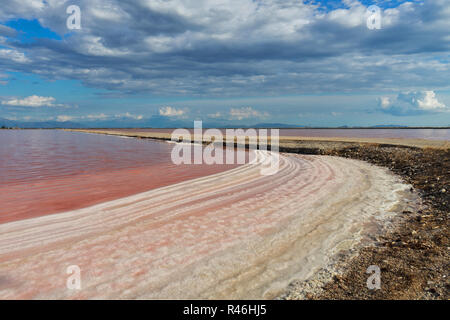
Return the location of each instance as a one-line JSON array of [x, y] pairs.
[[298, 62]]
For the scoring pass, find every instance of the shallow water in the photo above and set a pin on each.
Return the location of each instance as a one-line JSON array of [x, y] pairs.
[[50, 171]]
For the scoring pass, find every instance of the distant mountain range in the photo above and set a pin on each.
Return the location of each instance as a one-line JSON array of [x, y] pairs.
[[153, 122], [156, 121], [38, 124]]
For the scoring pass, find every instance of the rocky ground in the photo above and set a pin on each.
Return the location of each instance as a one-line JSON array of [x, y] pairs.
[[414, 257]]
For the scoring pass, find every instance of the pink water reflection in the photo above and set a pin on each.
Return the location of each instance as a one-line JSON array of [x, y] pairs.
[[49, 171]]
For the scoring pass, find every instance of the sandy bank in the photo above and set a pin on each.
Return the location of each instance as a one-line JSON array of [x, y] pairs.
[[301, 144]]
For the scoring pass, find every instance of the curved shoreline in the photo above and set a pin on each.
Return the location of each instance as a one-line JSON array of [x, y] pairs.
[[414, 255], [330, 290], [235, 235]]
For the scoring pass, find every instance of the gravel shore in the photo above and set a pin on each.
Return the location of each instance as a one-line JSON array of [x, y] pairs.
[[414, 257]]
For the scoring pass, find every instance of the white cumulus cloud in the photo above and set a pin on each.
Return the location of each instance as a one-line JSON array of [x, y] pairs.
[[384, 102], [130, 116], [14, 55], [171, 112], [33, 101], [412, 103], [64, 118], [216, 115], [246, 113], [430, 102]]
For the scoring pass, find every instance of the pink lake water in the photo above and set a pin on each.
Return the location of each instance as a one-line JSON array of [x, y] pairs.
[[49, 171]]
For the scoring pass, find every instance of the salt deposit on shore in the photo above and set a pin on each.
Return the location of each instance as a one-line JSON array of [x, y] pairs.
[[236, 234]]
